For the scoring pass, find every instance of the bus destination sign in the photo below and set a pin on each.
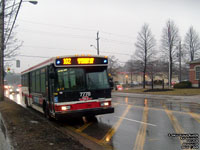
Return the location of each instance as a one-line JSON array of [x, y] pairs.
[[80, 61]]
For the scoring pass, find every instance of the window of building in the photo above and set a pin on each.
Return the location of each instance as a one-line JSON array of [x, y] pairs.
[[197, 69]]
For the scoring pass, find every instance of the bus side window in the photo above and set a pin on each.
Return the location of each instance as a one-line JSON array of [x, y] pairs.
[[43, 80], [37, 81], [33, 81]]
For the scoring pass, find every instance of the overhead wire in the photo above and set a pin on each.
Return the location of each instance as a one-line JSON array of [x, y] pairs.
[[72, 49], [57, 34], [75, 36], [83, 29]]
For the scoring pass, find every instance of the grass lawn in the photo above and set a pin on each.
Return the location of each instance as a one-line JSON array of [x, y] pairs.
[[181, 92]]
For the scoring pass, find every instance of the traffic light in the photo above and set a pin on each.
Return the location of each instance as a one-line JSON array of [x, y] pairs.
[[8, 69]]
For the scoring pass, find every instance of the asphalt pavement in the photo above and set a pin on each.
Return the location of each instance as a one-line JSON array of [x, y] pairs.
[[192, 99], [140, 122]]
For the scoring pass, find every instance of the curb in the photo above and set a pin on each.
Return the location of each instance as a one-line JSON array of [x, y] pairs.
[[4, 138]]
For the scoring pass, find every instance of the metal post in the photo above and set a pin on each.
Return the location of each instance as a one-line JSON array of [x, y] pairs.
[[2, 50], [98, 43], [180, 61], [169, 38]]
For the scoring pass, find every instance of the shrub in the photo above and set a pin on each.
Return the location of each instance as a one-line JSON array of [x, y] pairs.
[[183, 84]]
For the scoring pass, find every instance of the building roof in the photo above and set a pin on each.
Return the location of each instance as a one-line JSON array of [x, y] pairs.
[[195, 61]]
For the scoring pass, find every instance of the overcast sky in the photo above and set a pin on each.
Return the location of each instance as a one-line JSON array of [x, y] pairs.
[[65, 27]]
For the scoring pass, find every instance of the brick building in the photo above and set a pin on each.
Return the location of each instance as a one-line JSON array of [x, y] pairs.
[[194, 74]]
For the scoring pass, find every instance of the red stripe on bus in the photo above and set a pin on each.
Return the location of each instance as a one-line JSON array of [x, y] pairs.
[[80, 106]]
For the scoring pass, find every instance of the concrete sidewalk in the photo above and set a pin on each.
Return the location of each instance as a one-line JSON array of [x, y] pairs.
[[23, 129], [193, 99]]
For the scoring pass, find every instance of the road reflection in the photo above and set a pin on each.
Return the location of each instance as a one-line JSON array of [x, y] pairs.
[[158, 104], [16, 97]]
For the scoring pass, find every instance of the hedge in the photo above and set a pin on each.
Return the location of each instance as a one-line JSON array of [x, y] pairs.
[[183, 84]]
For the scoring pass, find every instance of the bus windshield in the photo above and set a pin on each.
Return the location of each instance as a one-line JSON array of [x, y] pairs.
[[96, 78], [91, 78]]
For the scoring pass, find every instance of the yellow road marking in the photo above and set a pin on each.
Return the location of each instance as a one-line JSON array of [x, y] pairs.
[[91, 138], [194, 115], [153, 139], [83, 127], [174, 121], [112, 131], [141, 135], [88, 124]]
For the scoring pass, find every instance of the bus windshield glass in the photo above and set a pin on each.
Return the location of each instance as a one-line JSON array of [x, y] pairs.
[[90, 78], [96, 78], [71, 79]]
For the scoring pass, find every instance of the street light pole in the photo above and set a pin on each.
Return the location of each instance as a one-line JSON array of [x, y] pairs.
[[2, 13], [2, 51], [32, 2], [19, 6], [3, 43], [180, 54], [169, 42]]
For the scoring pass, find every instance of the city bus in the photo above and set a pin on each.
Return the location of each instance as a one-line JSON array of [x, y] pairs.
[[68, 86]]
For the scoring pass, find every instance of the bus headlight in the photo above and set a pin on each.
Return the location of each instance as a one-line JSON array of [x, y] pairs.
[[104, 104], [64, 108]]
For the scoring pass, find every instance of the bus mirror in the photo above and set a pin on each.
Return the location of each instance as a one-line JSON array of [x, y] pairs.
[[52, 75], [111, 83]]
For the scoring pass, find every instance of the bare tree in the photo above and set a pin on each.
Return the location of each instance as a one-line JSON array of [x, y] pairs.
[[145, 48], [133, 66], [170, 39], [154, 69], [192, 44], [13, 44], [113, 65]]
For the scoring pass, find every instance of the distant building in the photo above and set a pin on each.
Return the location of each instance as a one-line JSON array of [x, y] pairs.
[[137, 78], [194, 74]]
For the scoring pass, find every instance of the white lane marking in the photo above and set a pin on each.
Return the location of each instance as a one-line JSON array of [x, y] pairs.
[[136, 121]]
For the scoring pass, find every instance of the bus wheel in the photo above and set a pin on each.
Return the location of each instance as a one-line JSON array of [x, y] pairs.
[[91, 118], [47, 113]]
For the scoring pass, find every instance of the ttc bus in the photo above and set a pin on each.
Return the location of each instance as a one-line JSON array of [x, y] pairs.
[[68, 86]]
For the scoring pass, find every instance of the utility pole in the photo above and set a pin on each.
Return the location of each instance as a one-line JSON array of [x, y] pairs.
[[2, 9], [98, 43], [180, 54], [169, 41]]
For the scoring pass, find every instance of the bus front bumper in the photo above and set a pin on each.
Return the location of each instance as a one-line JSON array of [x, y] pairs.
[[84, 112]]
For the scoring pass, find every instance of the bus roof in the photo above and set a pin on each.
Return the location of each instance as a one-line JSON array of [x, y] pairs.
[[53, 59]]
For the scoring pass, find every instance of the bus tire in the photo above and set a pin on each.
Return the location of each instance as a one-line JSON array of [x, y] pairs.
[[47, 113], [91, 118]]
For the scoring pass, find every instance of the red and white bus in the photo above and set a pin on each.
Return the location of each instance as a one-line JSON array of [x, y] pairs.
[[68, 86]]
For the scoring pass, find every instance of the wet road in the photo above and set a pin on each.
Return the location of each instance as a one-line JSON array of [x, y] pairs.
[[141, 124]]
